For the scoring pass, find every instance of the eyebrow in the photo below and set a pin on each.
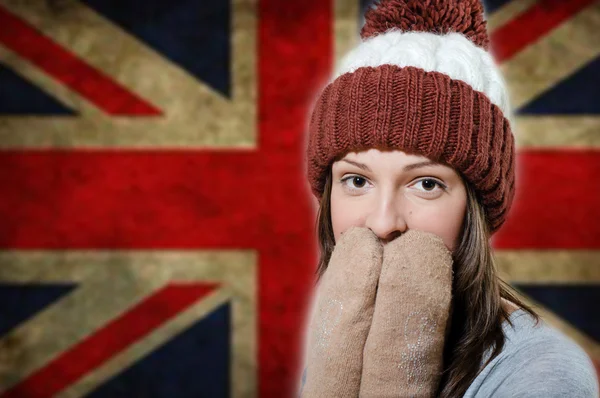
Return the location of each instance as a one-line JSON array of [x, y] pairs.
[[406, 168]]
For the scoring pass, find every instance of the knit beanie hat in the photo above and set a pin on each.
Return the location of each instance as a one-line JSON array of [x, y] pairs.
[[421, 81]]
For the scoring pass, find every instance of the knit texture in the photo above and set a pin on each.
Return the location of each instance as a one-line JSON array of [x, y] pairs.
[[451, 54], [439, 16], [425, 113], [342, 315], [404, 351]]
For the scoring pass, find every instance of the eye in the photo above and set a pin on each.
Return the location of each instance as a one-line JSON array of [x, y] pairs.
[[429, 184], [354, 182]]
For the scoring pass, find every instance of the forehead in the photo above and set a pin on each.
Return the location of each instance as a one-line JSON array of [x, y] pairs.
[[392, 159]]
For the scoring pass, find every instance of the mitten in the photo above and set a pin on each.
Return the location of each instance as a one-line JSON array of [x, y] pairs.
[[342, 316], [403, 354]]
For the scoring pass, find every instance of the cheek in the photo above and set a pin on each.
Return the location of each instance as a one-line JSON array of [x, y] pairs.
[[444, 221], [344, 214]]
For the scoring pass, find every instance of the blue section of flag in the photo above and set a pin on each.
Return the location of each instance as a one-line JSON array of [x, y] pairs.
[[193, 364], [578, 94], [194, 34], [18, 302], [490, 5], [578, 304], [493, 5], [18, 96], [364, 4]]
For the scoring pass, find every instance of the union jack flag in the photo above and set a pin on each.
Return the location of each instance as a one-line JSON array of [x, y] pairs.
[[157, 230]]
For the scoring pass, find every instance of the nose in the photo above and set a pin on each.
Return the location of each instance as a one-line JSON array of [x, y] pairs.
[[387, 218]]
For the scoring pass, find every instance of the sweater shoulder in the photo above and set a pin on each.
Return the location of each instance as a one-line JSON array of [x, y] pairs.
[[536, 360]]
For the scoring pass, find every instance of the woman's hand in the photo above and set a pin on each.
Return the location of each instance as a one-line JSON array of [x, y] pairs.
[[380, 317], [342, 317], [403, 354]]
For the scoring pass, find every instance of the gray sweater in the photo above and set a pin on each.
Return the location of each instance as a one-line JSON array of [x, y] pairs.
[[536, 361]]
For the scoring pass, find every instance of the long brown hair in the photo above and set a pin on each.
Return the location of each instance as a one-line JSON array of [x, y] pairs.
[[478, 314]]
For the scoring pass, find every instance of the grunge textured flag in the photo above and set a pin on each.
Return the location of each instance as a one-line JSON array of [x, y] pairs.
[[156, 230], [156, 235]]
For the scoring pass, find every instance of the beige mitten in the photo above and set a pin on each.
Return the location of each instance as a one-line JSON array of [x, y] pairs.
[[343, 310], [403, 354]]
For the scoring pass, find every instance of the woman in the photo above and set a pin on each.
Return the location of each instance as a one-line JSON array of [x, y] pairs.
[[412, 158]]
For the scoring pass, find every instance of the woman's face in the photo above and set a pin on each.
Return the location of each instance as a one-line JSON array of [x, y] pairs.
[[391, 192]]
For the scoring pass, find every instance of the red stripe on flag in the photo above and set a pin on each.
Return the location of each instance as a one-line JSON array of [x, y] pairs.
[[128, 199], [295, 58], [98, 88], [531, 25], [146, 316], [97, 199], [556, 203]]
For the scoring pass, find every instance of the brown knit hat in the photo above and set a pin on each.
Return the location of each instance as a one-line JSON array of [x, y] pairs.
[[421, 81]]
